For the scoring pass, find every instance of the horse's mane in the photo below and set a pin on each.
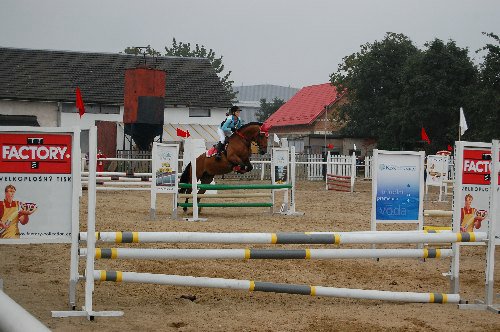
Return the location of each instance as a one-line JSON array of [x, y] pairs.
[[250, 124]]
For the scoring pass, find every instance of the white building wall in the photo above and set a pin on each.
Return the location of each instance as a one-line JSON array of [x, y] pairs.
[[88, 119], [46, 113], [181, 115]]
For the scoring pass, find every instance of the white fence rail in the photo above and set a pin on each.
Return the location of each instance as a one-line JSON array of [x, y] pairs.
[[311, 167]]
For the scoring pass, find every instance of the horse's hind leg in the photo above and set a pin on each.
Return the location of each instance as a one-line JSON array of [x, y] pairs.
[[188, 191], [205, 179]]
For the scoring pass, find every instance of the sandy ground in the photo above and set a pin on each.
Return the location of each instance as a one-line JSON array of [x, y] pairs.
[[36, 276]]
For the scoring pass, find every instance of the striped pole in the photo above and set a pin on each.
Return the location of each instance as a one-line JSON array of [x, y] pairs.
[[257, 286], [438, 213], [235, 186], [135, 253], [123, 189], [289, 238]]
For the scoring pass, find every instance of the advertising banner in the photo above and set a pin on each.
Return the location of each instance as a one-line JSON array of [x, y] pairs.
[[279, 166], [397, 187], [165, 167], [36, 181], [437, 170], [474, 189]]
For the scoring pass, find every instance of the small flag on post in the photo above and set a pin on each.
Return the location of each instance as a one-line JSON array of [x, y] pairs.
[[463, 123], [425, 137], [182, 133], [276, 138], [79, 102]]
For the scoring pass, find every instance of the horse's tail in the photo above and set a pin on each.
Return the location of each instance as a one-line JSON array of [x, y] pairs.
[[185, 178]]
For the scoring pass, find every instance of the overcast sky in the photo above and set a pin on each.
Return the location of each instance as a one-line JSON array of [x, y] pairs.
[[285, 42]]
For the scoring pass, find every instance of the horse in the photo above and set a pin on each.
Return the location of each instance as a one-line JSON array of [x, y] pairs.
[[236, 156]]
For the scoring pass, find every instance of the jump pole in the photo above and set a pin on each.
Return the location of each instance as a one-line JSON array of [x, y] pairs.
[[257, 286], [169, 254], [287, 238]]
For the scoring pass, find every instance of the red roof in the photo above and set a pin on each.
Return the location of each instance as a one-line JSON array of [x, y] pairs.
[[304, 107]]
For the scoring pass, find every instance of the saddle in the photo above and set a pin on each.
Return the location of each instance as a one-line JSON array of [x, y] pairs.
[[213, 150]]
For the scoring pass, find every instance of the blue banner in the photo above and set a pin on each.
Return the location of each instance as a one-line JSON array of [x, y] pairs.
[[398, 187]]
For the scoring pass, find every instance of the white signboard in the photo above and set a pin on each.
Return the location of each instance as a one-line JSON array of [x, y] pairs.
[[437, 170], [279, 166], [165, 167], [471, 196], [397, 187], [193, 147], [38, 184]]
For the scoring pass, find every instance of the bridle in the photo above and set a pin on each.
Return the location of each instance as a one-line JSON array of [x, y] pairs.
[[247, 141]]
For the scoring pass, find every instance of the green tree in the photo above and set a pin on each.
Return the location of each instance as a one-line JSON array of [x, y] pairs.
[[266, 109], [484, 121], [395, 89], [436, 82], [186, 50], [372, 78]]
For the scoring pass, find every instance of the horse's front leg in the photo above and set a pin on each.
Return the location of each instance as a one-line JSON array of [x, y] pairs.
[[248, 165], [239, 165]]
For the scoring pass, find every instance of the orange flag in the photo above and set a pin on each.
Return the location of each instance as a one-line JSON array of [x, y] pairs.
[[79, 102], [424, 136]]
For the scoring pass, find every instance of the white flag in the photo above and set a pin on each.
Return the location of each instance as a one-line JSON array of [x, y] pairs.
[[276, 139], [463, 123]]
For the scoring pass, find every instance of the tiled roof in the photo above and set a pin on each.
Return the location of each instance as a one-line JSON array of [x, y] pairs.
[[266, 91], [305, 106], [47, 75]]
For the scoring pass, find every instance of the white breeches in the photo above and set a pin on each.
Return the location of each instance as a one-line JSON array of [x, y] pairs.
[[222, 136]]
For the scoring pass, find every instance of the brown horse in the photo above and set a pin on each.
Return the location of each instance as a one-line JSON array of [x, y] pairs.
[[235, 158]]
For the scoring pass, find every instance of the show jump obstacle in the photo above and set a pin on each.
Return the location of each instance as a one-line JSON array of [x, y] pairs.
[[282, 179], [340, 238], [341, 172]]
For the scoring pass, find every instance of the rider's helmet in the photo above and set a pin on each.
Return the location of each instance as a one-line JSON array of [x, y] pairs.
[[234, 109]]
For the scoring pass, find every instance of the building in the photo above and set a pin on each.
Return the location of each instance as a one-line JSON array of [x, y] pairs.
[[249, 98], [310, 122], [37, 87]]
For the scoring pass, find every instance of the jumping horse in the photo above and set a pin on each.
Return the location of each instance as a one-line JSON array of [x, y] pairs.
[[235, 158]]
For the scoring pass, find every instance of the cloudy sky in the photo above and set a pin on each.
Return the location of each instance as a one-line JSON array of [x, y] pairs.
[[285, 42]]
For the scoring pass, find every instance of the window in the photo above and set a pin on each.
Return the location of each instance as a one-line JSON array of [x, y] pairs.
[[199, 112], [94, 109]]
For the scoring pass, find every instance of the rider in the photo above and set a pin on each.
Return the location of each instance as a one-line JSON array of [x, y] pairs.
[[226, 129]]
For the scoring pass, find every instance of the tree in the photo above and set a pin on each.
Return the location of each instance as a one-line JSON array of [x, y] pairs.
[[184, 50], [484, 121], [395, 89], [372, 78], [266, 109], [436, 82]]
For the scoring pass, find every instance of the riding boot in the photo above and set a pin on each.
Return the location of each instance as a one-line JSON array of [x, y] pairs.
[[219, 148]]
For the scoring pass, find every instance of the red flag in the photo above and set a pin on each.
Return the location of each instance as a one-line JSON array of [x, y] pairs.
[[425, 137], [79, 102], [450, 148], [182, 133]]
